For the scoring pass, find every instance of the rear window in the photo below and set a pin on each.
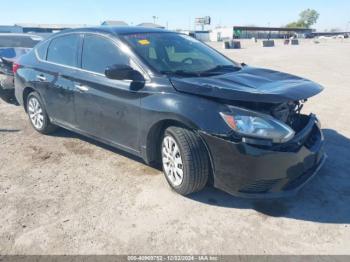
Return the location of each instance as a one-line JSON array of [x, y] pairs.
[[19, 41], [63, 50]]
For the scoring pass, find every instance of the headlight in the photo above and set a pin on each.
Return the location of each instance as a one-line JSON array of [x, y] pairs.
[[251, 124]]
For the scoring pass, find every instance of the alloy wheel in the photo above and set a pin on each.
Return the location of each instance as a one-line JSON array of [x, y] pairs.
[[172, 161], [35, 113]]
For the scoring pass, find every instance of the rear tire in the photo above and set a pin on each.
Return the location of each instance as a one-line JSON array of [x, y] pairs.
[[185, 160], [37, 114]]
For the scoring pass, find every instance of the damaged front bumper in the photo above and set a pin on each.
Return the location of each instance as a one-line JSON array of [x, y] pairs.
[[246, 170]]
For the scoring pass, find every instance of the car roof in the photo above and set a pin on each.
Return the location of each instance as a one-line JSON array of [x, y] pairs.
[[116, 30]]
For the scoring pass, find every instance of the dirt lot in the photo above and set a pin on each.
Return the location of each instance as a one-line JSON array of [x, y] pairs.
[[64, 194]]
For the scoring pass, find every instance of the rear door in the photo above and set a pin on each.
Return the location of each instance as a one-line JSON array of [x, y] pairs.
[[59, 74], [105, 108]]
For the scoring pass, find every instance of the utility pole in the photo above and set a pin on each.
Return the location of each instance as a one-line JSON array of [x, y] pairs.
[[154, 19]]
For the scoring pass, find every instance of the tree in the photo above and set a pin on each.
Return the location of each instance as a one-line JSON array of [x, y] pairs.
[[307, 18], [296, 25]]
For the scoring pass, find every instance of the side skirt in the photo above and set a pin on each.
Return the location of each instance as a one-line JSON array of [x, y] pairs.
[[101, 140]]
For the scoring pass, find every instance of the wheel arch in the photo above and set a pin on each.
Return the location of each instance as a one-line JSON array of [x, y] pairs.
[[153, 140], [26, 91]]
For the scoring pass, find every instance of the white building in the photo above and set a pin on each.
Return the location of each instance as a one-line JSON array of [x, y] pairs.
[[202, 35], [221, 33], [151, 25]]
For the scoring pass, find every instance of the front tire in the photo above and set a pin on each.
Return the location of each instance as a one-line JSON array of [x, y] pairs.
[[37, 114], [185, 160]]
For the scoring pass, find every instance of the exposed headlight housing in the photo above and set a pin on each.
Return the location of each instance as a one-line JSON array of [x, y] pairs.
[[254, 125]]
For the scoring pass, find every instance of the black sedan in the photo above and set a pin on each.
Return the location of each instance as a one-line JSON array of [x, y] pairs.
[[171, 99], [12, 46]]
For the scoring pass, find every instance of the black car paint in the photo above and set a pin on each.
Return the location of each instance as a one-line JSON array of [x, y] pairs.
[[252, 85], [272, 173], [116, 113]]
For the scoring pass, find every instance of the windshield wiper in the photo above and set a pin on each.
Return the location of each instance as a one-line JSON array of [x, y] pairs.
[[220, 69], [180, 73], [213, 71]]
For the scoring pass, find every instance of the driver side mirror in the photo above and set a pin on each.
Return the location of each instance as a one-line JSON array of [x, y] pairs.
[[123, 72]]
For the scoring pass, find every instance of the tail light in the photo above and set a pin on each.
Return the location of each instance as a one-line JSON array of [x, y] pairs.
[[15, 67]]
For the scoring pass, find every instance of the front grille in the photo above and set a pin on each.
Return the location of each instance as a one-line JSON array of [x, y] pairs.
[[261, 186]]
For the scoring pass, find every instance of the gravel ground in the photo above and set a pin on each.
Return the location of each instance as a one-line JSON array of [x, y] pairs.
[[65, 194]]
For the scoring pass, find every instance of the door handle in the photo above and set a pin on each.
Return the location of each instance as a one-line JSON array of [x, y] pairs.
[[41, 78], [81, 88]]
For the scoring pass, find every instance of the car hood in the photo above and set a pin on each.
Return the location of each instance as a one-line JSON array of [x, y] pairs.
[[250, 84]]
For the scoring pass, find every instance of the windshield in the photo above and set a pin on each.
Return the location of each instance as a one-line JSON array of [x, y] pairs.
[[19, 41], [171, 53]]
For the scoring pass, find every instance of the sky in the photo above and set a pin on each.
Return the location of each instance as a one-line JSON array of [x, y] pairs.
[[175, 13]]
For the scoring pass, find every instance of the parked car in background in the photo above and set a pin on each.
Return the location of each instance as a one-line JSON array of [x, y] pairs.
[[13, 46], [170, 99]]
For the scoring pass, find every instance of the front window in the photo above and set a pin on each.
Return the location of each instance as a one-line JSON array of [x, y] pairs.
[[99, 53], [171, 53]]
